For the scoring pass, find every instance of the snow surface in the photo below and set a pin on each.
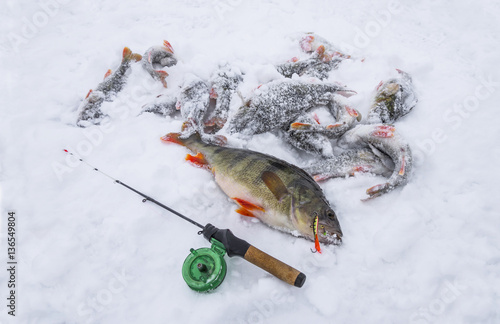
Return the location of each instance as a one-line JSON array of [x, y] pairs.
[[90, 251]]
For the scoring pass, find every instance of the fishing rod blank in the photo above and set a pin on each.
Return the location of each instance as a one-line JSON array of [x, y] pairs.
[[146, 198], [205, 268]]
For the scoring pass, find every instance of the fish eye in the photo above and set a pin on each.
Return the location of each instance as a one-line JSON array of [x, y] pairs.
[[330, 215]]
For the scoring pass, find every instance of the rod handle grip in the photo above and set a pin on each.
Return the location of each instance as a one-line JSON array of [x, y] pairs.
[[275, 267]]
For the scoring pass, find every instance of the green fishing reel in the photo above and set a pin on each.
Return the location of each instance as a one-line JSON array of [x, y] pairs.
[[205, 269]]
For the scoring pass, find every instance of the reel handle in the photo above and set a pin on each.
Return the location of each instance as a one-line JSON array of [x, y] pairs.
[[238, 247]]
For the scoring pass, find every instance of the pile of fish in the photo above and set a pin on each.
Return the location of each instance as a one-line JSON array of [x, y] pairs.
[[278, 193]]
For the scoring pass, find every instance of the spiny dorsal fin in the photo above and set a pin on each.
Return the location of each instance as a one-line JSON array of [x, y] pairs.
[[274, 183]]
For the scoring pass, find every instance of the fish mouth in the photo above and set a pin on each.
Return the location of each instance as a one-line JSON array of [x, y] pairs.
[[334, 238]]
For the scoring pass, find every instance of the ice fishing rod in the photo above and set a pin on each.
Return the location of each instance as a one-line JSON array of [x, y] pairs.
[[205, 268]]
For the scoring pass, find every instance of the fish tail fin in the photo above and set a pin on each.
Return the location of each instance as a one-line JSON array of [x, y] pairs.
[[174, 138], [128, 55], [136, 57], [182, 139]]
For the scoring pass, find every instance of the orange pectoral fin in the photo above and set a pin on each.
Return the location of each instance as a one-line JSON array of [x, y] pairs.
[[321, 177], [247, 205], [162, 73], [198, 160], [316, 118], [168, 46], [320, 50], [334, 125], [402, 170], [108, 73], [351, 111], [300, 126], [360, 168], [306, 43], [213, 94], [220, 140], [244, 212], [384, 131]]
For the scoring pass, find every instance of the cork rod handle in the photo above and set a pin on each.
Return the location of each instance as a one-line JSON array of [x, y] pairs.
[[275, 267], [241, 248]]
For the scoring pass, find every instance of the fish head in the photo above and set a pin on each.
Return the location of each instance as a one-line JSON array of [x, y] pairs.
[[390, 88], [329, 231], [310, 212]]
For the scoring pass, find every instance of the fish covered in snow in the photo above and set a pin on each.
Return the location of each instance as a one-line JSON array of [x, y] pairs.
[[313, 141], [306, 132], [348, 163], [89, 111], [323, 58], [163, 105], [278, 103], [389, 150], [193, 103], [156, 59], [276, 192], [394, 99], [345, 118], [224, 82], [313, 66], [311, 42]]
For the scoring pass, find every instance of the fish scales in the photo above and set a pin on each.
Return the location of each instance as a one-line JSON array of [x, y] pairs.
[[278, 103], [241, 174], [241, 167]]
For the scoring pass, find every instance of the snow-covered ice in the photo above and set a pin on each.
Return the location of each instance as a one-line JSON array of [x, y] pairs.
[[89, 251]]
